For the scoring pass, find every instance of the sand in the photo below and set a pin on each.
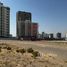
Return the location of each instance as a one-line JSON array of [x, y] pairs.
[[10, 58]]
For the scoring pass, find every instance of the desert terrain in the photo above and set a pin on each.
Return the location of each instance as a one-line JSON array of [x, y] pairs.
[[52, 53]]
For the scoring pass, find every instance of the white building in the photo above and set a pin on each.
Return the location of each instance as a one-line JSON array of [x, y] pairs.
[[66, 36], [4, 21]]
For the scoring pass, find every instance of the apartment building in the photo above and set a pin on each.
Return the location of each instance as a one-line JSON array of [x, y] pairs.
[[34, 30], [23, 20], [4, 21]]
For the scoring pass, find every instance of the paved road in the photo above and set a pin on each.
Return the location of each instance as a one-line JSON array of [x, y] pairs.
[[61, 52]]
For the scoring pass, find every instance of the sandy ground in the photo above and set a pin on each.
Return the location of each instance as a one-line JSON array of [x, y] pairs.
[[53, 54]]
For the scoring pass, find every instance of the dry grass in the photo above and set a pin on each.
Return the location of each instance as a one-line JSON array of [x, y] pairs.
[[11, 56]]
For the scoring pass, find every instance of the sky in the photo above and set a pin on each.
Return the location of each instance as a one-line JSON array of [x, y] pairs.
[[51, 15]]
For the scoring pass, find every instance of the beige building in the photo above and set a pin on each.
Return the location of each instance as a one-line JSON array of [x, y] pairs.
[[25, 28], [4, 20], [23, 20], [28, 28]]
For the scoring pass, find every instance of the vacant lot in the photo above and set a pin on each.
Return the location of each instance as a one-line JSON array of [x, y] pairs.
[[52, 54]]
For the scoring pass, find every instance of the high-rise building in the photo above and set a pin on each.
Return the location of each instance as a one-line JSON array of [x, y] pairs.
[[25, 28], [51, 36], [59, 35], [28, 28], [34, 30], [4, 20], [43, 35], [46, 36], [23, 24], [66, 36], [23, 16]]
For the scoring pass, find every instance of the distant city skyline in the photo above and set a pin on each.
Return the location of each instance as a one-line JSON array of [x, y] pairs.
[[51, 15]]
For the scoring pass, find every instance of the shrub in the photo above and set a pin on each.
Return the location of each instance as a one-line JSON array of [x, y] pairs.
[[30, 50], [0, 49], [21, 51], [17, 51], [8, 48], [35, 54], [65, 61]]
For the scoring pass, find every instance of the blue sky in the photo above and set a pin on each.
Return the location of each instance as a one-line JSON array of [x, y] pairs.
[[50, 14]]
